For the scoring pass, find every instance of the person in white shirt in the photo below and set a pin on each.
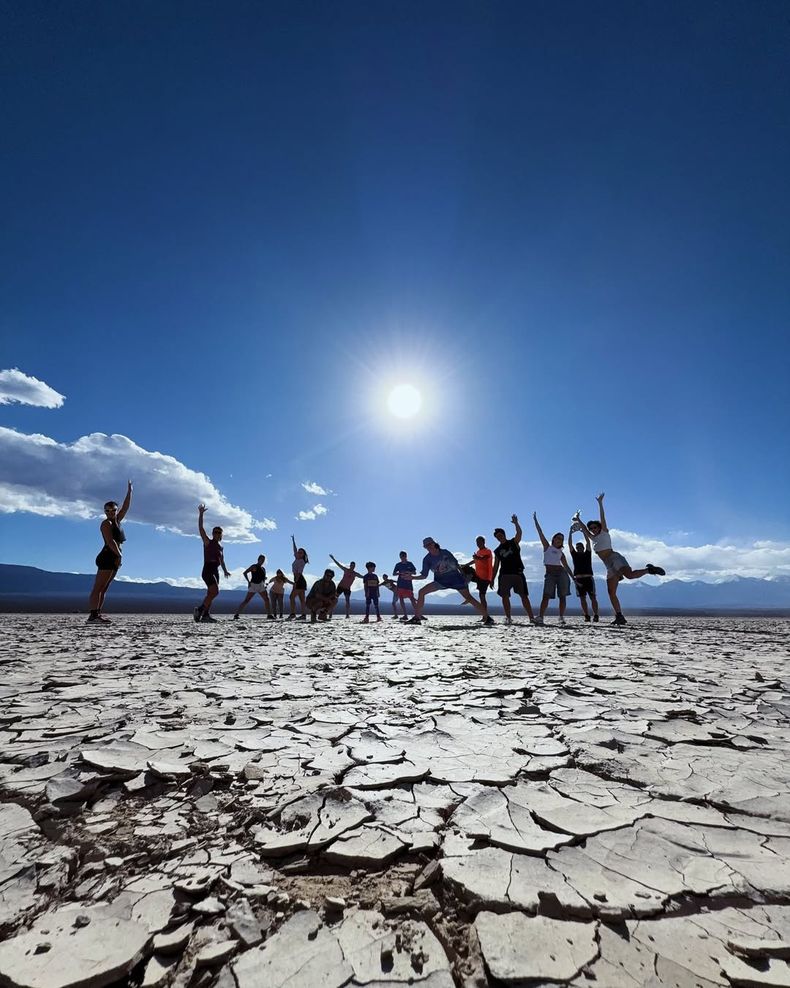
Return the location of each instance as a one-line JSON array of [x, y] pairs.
[[617, 566], [557, 580]]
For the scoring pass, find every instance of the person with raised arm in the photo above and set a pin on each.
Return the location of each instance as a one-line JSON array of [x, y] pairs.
[[391, 585], [617, 566], [447, 575], [509, 565], [346, 582], [300, 583], [109, 559], [213, 559], [255, 575], [557, 580], [581, 556]]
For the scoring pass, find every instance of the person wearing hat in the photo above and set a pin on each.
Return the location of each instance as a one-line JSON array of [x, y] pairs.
[[447, 575]]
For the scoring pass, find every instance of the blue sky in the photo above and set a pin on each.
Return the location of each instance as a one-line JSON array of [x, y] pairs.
[[228, 230]]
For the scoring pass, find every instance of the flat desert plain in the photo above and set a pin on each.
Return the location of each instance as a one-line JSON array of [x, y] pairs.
[[254, 804]]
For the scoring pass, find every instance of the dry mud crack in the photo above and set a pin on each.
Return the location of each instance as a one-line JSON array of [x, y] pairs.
[[251, 805]]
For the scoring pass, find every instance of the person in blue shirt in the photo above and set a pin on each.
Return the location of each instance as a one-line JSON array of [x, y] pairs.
[[405, 571], [447, 575]]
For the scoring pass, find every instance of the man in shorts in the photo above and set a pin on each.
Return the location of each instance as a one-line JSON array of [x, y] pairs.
[[322, 597], [581, 557], [483, 560], [617, 566], [405, 571], [346, 582], [509, 566], [213, 558], [446, 576]]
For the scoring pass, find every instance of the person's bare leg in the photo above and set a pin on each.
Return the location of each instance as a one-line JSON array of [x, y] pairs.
[[475, 603], [633, 574], [244, 603], [527, 605], [211, 593], [583, 602], [544, 605], [506, 607], [265, 598], [611, 586], [418, 607], [292, 602], [594, 599], [563, 602], [100, 584], [348, 605]]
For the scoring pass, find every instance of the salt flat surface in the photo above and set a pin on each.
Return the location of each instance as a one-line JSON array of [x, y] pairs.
[[263, 804]]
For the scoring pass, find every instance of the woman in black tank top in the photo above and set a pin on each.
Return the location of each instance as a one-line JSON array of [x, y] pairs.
[[255, 576], [108, 562]]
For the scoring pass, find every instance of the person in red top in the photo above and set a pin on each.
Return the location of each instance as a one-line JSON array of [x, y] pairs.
[[484, 567]]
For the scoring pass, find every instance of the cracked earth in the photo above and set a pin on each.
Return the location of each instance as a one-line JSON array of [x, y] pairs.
[[251, 805]]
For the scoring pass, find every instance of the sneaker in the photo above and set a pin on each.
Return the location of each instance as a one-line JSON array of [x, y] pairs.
[[619, 620], [394, 617], [365, 620], [655, 570], [595, 619], [313, 619], [301, 618], [508, 620], [561, 621], [538, 621], [488, 621], [414, 620], [208, 619], [270, 617], [197, 613], [291, 617], [587, 619], [235, 617], [100, 618]]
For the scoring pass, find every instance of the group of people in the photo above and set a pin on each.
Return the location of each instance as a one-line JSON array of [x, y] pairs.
[[501, 567]]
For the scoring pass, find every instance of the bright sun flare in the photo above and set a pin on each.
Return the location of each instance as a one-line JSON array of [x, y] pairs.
[[404, 401]]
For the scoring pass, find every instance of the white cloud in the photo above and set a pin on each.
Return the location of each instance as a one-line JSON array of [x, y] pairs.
[[17, 387], [41, 476], [312, 488], [315, 512]]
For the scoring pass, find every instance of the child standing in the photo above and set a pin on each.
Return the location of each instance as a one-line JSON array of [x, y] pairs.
[[255, 576], [277, 583], [371, 584]]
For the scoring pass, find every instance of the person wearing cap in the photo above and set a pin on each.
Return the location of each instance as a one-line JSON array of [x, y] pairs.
[[447, 575]]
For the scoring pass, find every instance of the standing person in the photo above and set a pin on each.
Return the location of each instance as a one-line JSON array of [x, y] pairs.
[[213, 558], [322, 597], [277, 583], [617, 566], [371, 583], [581, 556], [300, 584], [558, 573], [405, 572], [255, 576], [346, 582], [446, 576], [483, 559], [393, 586], [509, 565], [108, 562]]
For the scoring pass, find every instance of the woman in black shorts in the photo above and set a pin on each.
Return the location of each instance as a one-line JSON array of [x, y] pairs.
[[300, 584], [108, 562]]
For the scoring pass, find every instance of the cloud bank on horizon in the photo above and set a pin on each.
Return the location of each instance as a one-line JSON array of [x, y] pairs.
[[16, 387], [42, 476]]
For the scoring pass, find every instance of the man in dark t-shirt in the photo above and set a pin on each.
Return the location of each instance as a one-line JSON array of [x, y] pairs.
[[509, 566], [583, 574]]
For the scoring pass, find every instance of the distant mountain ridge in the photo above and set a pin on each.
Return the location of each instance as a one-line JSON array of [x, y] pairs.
[[26, 588]]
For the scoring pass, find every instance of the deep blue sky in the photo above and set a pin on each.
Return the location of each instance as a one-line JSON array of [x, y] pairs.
[[228, 228]]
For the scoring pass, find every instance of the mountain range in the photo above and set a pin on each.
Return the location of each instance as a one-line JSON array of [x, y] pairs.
[[26, 588]]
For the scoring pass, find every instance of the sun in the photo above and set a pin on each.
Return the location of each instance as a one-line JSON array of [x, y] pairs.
[[404, 401]]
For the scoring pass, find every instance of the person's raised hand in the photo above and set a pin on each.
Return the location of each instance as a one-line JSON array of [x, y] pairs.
[[599, 497], [534, 516], [514, 519], [201, 509]]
